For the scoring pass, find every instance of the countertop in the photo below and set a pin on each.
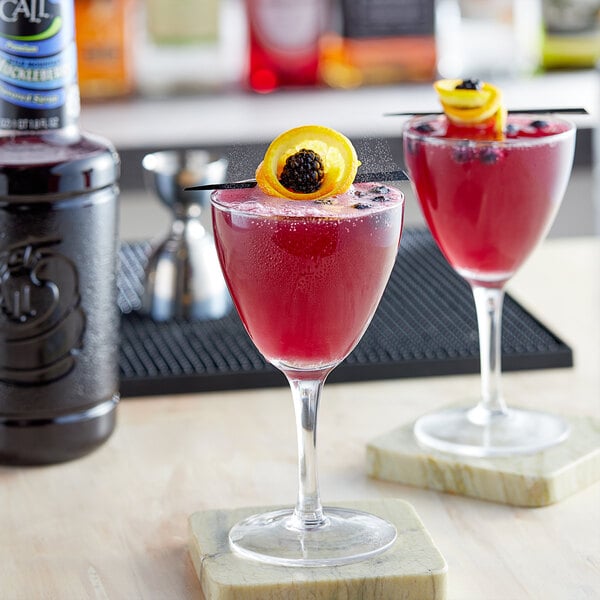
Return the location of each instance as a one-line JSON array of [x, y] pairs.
[[113, 525], [237, 117]]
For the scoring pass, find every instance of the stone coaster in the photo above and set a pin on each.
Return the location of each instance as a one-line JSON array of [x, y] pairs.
[[532, 480], [412, 569]]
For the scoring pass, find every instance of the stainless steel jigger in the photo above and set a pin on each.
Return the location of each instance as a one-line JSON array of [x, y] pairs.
[[183, 277]]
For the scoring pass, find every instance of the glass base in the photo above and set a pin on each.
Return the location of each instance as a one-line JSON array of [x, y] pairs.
[[470, 432], [345, 536]]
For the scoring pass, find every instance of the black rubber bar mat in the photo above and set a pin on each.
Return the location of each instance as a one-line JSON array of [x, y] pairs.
[[425, 325]]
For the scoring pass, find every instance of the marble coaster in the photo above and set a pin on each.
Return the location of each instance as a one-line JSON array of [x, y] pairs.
[[412, 569], [534, 480]]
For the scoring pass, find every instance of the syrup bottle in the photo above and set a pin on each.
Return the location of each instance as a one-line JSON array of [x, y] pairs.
[[381, 42], [186, 47], [104, 48], [571, 34], [58, 247], [284, 37]]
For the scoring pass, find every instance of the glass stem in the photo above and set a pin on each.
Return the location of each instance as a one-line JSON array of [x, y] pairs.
[[306, 394], [488, 304]]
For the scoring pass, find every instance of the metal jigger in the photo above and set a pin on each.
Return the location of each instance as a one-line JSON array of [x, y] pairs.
[[183, 277]]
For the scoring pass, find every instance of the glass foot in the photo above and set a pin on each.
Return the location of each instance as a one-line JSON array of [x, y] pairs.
[[346, 536], [463, 431]]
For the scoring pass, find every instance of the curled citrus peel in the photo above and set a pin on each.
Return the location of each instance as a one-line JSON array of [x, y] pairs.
[[335, 151], [478, 104]]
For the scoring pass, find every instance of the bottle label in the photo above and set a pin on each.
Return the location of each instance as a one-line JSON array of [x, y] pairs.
[[388, 18], [38, 65]]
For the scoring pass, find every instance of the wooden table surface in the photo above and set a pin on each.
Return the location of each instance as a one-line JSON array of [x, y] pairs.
[[113, 525]]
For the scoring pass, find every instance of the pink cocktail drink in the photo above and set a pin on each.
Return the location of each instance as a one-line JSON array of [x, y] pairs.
[[307, 276], [306, 255], [489, 195], [488, 203]]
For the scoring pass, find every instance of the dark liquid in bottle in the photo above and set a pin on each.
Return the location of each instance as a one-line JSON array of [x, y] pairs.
[[58, 312]]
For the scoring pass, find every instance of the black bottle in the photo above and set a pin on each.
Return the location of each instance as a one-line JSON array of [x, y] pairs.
[[58, 247]]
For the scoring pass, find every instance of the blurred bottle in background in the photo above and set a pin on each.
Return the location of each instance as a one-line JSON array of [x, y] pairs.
[[488, 38], [283, 43], [105, 41], [380, 42], [188, 46], [571, 34], [174, 47]]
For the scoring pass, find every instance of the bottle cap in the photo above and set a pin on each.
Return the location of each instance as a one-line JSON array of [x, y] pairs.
[[41, 170]]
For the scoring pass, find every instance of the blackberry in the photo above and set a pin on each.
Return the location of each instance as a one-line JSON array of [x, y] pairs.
[[360, 206], [469, 84], [303, 172], [379, 199]]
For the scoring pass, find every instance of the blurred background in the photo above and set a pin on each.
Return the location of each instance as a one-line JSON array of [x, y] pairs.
[[229, 75]]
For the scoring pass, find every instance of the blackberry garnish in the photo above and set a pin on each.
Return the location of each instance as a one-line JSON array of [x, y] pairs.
[[360, 205], [379, 199], [302, 172], [469, 84]]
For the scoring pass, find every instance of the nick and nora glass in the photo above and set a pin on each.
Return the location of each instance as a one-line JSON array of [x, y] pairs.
[[488, 203], [306, 278]]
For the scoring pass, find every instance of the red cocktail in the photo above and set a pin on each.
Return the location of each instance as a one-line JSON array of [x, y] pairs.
[[306, 277], [488, 203], [489, 195]]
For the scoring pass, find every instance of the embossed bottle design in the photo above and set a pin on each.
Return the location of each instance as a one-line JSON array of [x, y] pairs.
[[42, 321], [58, 247]]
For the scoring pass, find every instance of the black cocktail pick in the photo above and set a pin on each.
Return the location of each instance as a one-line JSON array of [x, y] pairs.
[[398, 175]]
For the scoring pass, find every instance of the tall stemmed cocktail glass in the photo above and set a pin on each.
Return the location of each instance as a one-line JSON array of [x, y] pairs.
[[488, 204], [306, 278]]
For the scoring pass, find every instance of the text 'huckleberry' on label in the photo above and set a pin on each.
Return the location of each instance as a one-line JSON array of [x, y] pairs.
[[38, 65]]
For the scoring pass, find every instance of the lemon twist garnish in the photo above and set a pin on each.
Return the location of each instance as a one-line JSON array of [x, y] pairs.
[[296, 151], [468, 102]]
